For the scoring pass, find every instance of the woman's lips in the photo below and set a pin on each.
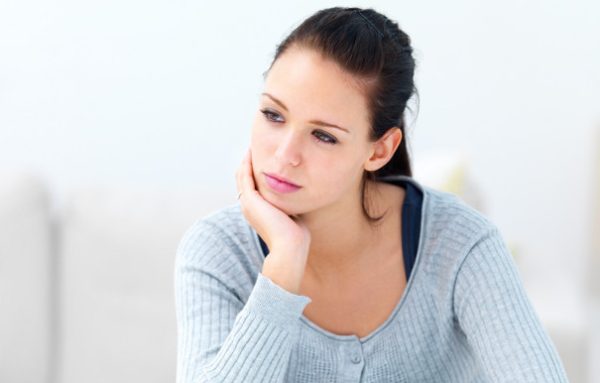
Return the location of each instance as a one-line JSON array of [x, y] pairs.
[[281, 179], [280, 186]]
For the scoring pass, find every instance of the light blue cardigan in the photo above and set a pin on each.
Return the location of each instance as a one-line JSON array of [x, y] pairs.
[[464, 315]]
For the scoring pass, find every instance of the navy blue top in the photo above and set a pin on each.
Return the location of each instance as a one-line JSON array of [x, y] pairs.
[[411, 224]]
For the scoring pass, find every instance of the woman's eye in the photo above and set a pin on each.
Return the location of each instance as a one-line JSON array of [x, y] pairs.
[[322, 137], [269, 115], [326, 138]]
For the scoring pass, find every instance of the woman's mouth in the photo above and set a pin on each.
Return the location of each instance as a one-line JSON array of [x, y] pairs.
[[279, 185]]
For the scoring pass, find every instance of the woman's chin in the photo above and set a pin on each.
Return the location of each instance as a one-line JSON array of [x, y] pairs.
[[278, 202]]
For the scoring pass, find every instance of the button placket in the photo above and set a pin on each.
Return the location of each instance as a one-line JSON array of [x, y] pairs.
[[352, 360], [355, 358], [356, 352]]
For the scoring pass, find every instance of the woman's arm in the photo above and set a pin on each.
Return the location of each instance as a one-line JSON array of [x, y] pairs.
[[219, 338], [497, 318]]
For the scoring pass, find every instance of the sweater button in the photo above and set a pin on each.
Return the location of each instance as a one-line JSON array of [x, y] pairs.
[[355, 358]]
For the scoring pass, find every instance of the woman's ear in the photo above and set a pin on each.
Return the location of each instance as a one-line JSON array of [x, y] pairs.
[[384, 148]]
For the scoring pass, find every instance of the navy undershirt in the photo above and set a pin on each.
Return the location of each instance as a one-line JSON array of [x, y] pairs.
[[411, 224]]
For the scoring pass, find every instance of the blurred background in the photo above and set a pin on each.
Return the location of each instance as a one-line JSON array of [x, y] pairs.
[[122, 122]]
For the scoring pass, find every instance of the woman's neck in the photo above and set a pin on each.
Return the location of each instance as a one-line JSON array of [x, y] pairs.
[[344, 244]]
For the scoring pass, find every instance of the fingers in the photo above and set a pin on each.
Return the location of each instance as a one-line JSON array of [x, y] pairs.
[[244, 179], [250, 172], [239, 174]]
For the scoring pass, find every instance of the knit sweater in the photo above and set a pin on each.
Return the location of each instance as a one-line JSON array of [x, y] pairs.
[[464, 315]]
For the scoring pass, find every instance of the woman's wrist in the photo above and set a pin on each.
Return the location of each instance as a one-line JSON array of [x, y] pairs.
[[286, 268]]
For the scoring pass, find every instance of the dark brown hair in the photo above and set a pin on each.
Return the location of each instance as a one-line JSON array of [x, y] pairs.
[[372, 48]]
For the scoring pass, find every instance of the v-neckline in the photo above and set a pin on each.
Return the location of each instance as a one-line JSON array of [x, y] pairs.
[[407, 287]]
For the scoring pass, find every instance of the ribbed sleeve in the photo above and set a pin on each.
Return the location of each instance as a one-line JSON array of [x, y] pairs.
[[498, 320], [221, 339]]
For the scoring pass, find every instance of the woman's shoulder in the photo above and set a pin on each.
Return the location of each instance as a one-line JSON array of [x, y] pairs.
[[442, 209], [220, 239], [450, 227], [452, 231], [448, 211], [223, 224]]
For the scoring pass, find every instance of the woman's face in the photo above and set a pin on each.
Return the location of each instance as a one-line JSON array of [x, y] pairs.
[[293, 134]]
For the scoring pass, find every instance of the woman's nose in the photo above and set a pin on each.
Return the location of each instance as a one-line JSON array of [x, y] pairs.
[[288, 150]]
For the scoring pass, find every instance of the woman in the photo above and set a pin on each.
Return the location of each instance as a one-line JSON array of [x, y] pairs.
[[336, 265]]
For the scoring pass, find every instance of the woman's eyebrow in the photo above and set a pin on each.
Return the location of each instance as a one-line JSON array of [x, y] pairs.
[[314, 122]]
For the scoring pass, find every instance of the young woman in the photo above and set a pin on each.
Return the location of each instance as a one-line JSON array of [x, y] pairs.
[[336, 265]]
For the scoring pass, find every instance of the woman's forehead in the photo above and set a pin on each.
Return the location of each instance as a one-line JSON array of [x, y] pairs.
[[304, 81]]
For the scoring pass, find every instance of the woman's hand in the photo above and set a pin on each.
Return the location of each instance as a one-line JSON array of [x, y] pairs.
[[287, 237]]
